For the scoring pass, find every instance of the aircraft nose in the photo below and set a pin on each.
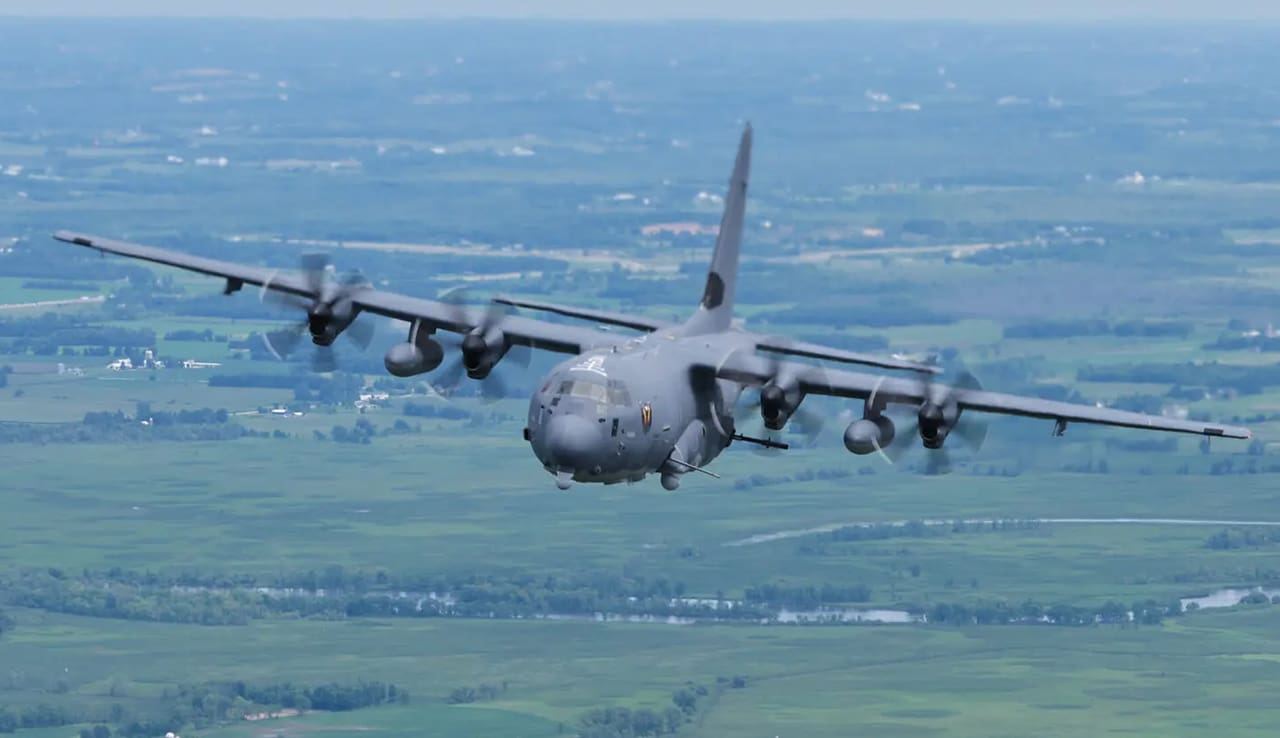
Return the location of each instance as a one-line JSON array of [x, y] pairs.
[[572, 442]]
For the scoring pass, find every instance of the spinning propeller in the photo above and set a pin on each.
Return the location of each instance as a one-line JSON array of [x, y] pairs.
[[329, 314], [761, 414], [937, 419], [471, 352]]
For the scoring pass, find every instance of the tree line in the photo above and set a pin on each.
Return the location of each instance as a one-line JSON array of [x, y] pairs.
[[203, 705], [206, 424], [687, 704], [1073, 328], [1030, 612], [339, 389], [337, 594], [64, 329], [1230, 539], [1243, 379]]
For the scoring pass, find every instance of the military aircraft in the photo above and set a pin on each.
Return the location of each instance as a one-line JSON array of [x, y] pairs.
[[662, 400]]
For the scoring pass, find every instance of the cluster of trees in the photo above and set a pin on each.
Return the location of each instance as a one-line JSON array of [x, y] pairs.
[[805, 475], [1235, 342], [98, 596], [339, 389], [336, 594], [1228, 466], [364, 431], [1243, 379], [205, 336], [909, 529], [1146, 612], [331, 697], [1070, 328], [427, 410], [203, 705], [806, 597], [53, 334], [621, 722], [116, 427], [37, 716], [481, 693], [1101, 466], [1229, 539]]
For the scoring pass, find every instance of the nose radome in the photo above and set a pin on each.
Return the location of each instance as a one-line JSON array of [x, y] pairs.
[[572, 441]]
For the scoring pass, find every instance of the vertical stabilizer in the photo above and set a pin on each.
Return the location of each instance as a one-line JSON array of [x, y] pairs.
[[716, 309]]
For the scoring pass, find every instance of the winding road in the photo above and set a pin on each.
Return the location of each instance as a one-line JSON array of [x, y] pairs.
[[797, 533]]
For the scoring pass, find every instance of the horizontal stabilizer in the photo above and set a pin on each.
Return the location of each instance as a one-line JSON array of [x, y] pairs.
[[814, 351], [599, 316]]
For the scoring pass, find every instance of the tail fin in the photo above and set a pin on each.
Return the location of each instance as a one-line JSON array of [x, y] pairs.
[[716, 309]]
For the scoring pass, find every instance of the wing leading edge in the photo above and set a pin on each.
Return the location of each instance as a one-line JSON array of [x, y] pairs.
[[624, 320], [519, 330], [754, 370], [814, 351]]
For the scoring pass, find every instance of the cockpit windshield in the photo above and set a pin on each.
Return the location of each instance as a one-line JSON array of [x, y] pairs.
[[613, 392]]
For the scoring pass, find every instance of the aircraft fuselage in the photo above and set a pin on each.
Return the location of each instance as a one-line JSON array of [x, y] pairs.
[[620, 413]]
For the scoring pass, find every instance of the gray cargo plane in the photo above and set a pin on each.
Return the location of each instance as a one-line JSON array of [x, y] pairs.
[[661, 401]]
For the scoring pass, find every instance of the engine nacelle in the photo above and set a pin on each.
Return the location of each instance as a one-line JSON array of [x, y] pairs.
[[867, 435], [324, 331], [778, 402], [935, 423], [407, 359], [481, 353]]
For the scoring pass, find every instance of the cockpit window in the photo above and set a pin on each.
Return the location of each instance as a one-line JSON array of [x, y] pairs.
[[618, 394], [614, 393]]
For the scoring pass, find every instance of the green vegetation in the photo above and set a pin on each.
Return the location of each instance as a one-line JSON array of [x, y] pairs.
[[218, 534]]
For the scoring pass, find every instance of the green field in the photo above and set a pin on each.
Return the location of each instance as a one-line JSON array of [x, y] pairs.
[[171, 547], [1174, 680]]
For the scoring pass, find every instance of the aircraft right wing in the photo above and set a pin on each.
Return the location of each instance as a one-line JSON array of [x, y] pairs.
[[815, 351], [754, 370], [518, 330], [606, 317]]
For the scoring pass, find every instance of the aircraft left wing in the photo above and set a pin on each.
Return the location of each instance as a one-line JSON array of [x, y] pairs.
[[519, 330], [754, 370]]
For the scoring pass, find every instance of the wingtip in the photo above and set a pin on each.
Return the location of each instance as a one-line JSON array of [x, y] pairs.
[[78, 239]]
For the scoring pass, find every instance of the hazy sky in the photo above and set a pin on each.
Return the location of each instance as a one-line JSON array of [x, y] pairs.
[[1000, 9]]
